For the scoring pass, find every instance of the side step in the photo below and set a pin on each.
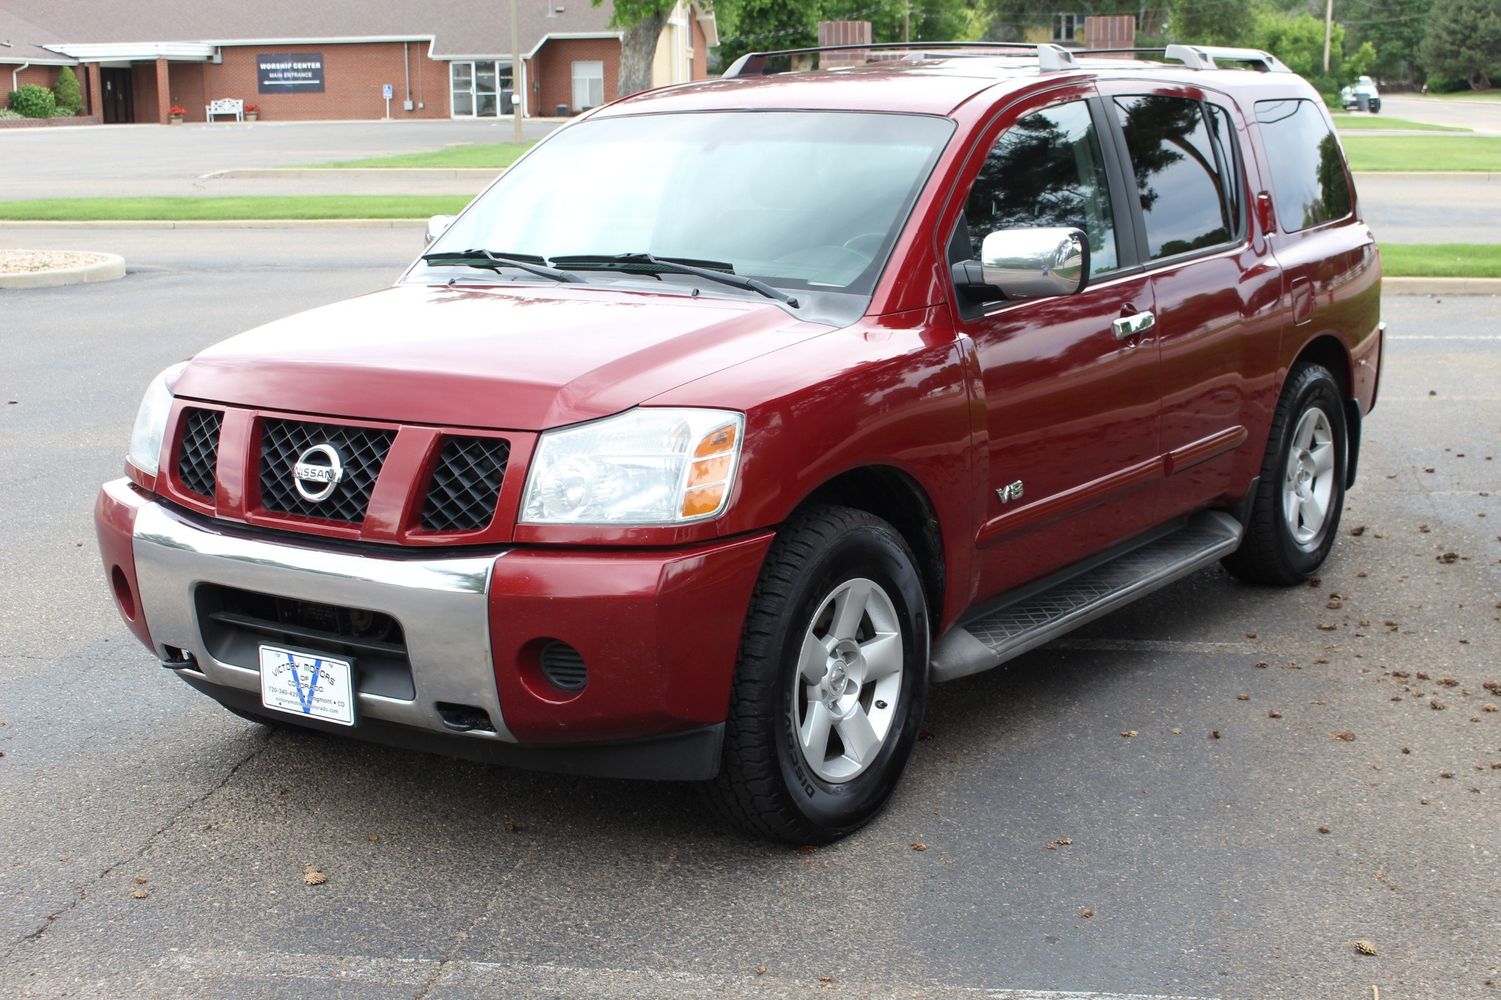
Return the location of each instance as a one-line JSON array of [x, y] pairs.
[[1037, 616]]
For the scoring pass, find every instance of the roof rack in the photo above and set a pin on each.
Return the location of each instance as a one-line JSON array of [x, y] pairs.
[[1050, 58], [1204, 56]]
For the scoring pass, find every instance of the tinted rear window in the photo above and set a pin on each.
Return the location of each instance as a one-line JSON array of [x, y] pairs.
[[1178, 174], [1308, 169]]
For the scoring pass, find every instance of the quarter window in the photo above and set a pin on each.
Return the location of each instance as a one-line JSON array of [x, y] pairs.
[[1179, 174], [1046, 170], [1308, 168]]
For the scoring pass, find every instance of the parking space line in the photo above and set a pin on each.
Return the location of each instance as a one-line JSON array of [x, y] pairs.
[[506, 978]]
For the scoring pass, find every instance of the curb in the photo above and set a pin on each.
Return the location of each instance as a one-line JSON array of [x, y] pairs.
[[110, 269], [1442, 286], [1468, 175], [216, 224], [387, 173]]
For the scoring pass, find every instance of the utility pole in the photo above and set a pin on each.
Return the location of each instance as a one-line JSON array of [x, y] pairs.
[[1328, 31], [516, 70]]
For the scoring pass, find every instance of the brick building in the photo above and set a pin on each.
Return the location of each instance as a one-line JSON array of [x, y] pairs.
[[332, 59]]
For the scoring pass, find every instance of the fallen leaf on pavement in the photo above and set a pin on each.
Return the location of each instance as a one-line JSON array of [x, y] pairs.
[[312, 876], [1273, 714], [1365, 947], [139, 893], [919, 846], [1060, 842], [1130, 732], [1346, 736], [1086, 913]]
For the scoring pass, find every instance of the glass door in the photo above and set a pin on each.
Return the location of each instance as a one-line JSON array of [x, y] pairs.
[[478, 88], [462, 76]]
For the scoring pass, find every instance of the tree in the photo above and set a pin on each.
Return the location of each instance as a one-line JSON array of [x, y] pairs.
[[67, 92], [1394, 28], [1463, 41], [1211, 22], [758, 25], [641, 23]]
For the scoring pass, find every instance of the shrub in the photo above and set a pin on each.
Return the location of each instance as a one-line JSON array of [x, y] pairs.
[[32, 101], [62, 113], [67, 92], [7, 115]]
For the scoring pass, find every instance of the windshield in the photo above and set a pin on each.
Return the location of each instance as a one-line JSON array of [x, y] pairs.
[[800, 200]]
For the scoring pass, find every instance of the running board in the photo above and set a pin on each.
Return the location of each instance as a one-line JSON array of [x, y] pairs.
[[1039, 616]]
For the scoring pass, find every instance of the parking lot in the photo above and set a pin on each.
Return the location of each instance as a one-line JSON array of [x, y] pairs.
[[156, 845]]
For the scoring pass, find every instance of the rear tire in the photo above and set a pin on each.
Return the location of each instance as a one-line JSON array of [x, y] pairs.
[[1298, 501], [831, 682]]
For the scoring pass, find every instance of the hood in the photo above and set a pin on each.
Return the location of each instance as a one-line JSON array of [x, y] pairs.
[[500, 357]]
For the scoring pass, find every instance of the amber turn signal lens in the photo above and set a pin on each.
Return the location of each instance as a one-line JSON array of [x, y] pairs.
[[717, 442], [697, 503], [708, 470]]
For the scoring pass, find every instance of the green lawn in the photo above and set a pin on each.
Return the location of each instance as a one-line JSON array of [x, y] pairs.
[[1494, 94], [1441, 260], [245, 208], [489, 156], [1423, 152], [1357, 123]]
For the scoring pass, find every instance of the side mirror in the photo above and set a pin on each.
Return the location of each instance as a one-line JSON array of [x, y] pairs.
[[435, 227], [1035, 263]]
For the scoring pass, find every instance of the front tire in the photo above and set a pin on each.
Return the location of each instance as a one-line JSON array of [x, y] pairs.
[[831, 682], [1301, 494]]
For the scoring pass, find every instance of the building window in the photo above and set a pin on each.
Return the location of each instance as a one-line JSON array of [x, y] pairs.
[[1068, 27], [588, 84], [480, 89]]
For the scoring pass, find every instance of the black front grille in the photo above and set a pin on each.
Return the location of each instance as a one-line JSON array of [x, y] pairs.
[[465, 484], [236, 623], [199, 456], [361, 451]]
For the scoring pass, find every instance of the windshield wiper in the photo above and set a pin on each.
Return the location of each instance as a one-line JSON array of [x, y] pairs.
[[484, 258], [724, 274]]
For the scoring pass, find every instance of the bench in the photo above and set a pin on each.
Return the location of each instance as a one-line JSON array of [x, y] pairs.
[[225, 106]]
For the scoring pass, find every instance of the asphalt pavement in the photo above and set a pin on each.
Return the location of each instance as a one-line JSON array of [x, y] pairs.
[[156, 846], [105, 161]]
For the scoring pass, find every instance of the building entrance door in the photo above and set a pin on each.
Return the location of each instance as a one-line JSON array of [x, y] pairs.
[[117, 100]]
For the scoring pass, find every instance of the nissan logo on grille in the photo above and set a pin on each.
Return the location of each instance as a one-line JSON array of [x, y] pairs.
[[317, 472]]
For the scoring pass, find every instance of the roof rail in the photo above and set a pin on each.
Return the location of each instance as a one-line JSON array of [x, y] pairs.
[[1204, 56], [1050, 58]]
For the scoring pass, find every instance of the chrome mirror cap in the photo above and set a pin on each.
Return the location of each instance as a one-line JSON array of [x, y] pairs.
[[435, 227], [1036, 263]]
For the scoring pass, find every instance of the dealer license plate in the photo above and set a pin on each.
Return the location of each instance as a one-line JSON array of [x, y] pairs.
[[307, 684]]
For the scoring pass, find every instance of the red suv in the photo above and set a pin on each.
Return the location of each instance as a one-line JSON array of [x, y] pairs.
[[736, 413]]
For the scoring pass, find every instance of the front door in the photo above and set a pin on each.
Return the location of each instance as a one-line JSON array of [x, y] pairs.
[[117, 100], [1071, 405]]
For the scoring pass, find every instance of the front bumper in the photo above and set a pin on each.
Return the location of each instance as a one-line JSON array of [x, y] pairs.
[[658, 631]]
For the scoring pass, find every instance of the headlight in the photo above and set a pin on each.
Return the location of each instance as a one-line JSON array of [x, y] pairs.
[[151, 421], [646, 466]]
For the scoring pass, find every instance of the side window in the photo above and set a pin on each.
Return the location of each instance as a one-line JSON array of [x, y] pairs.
[[1046, 170], [1228, 150], [1308, 169], [1178, 174]]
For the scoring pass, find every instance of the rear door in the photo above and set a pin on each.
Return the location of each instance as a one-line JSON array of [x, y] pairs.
[[1070, 405], [1216, 288]]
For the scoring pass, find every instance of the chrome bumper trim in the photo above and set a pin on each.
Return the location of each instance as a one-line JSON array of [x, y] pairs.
[[441, 603]]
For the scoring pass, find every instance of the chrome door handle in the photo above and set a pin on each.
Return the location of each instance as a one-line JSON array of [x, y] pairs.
[[1129, 326]]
